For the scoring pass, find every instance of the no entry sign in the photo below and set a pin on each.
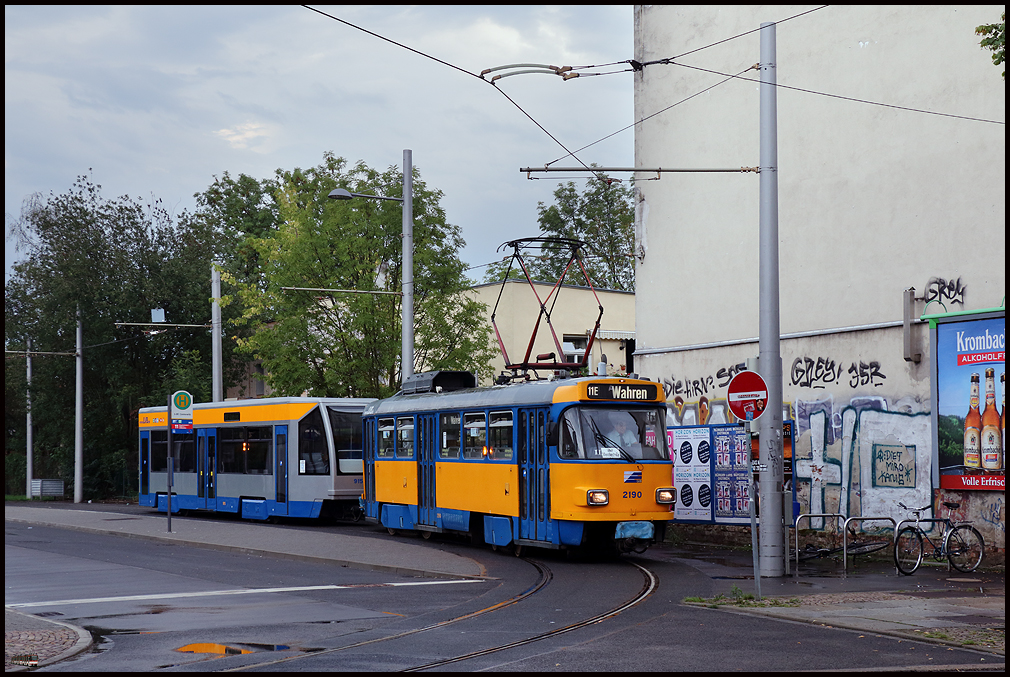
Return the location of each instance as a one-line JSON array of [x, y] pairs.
[[747, 395]]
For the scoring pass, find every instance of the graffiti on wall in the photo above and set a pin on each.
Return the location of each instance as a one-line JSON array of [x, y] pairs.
[[939, 289], [808, 372], [690, 387]]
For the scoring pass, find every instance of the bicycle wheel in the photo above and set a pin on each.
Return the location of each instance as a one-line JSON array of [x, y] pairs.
[[867, 547], [811, 551], [965, 548], [908, 550]]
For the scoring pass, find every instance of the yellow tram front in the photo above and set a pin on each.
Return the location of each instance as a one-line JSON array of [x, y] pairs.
[[551, 464]]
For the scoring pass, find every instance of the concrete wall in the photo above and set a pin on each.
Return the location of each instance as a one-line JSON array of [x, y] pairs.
[[872, 201], [574, 313]]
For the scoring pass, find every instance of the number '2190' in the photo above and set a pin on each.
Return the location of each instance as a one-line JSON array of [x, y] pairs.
[[632, 494]]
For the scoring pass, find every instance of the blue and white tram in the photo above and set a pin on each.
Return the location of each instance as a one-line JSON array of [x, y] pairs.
[[283, 456]]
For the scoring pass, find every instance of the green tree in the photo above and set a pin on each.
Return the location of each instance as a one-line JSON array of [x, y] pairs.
[[345, 344], [113, 260], [602, 216], [994, 40]]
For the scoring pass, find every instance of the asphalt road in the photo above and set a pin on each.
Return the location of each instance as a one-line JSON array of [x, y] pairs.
[[145, 600]]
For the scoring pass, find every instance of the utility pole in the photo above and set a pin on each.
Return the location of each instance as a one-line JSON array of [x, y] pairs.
[[217, 378], [770, 479], [407, 319], [79, 415], [30, 446]]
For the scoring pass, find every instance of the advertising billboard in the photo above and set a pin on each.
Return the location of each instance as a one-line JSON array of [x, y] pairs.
[[969, 372]]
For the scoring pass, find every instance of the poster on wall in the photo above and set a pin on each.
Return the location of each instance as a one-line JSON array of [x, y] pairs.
[[691, 449], [730, 475], [969, 391]]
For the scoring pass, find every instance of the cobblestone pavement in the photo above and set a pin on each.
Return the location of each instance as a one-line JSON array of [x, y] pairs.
[[30, 635]]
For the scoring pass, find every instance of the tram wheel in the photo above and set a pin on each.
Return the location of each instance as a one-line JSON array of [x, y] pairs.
[[426, 535], [391, 530], [518, 550]]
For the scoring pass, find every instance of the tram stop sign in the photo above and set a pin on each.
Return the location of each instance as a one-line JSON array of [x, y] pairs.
[[181, 414], [747, 395]]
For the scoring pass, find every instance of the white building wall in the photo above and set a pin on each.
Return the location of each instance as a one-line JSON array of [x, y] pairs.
[[872, 200]]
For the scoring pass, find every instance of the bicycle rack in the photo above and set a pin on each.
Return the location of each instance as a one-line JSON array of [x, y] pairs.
[[845, 539], [796, 528]]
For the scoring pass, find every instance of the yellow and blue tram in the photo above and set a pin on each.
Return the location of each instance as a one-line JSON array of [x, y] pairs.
[[555, 464], [293, 456]]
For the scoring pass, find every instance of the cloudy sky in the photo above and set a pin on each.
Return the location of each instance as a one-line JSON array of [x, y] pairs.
[[158, 100]]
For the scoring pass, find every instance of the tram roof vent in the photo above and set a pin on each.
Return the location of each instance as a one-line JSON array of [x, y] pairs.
[[438, 381]]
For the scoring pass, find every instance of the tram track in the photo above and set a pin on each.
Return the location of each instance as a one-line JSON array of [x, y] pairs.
[[648, 588], [650, 583], [545, 577]]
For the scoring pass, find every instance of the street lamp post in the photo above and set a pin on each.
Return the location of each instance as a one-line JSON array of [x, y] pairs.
[[407, 202]]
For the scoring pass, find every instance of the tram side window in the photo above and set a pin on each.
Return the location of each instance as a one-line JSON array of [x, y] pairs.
[[500, 447], [476, 435], [405, 437], [449, 425], [259, 451], [246, 451], [159, 451], [346, 434], [313, 452], [184, 447], [386, 438], [571, 441]]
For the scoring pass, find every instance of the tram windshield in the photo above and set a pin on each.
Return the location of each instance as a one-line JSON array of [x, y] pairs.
[[610, 434]]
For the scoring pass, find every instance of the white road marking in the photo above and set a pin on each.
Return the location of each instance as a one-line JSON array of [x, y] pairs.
[[240, 591]]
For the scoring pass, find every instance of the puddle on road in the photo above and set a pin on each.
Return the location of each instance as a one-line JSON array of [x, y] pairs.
[[227, 650]]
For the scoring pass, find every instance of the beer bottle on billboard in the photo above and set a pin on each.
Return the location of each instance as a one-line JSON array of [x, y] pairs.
[[991, 446], [973, 429], [1002, 418]]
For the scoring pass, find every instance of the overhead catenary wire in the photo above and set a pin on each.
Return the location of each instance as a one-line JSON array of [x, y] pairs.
[[455, 67], [839, 96]]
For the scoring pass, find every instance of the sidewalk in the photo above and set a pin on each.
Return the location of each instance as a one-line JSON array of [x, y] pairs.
[[935, 605], [45, 640]]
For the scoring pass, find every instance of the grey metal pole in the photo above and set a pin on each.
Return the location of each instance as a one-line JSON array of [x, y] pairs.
[[170, 475], [752, 365], [79, 415], [217, 379], [407, 333], [770, 424], [29, 445]]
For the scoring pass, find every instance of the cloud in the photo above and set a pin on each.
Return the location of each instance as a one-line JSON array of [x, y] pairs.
[[240, 135]]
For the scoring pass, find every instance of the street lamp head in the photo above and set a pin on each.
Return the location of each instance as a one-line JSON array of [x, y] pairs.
[[340, 194], [344, 194]]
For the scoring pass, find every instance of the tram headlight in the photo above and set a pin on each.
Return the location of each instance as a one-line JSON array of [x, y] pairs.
[[666, 496], [597, 497]]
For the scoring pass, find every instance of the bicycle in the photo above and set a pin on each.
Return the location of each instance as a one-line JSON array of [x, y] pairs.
[[961, 543], [810, 551]]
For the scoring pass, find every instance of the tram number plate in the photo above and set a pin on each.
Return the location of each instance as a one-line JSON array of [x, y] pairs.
[[620, 391]]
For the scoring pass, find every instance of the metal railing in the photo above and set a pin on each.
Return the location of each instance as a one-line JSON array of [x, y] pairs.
[[796, 528], [845, 537]]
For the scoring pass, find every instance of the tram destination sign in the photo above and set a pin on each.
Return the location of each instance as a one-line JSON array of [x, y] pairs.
[[638, 392]]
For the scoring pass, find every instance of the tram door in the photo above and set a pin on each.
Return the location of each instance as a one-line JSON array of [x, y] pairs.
[[534, 480], [371, 506], [206, 468], [145, 463], [426, 469], [281, 468]]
